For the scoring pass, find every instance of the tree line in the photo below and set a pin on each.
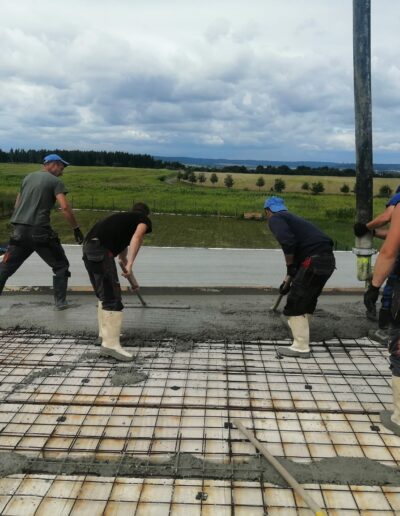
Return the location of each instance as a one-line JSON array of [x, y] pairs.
[[127, 159], [279, 185], [88, 158]]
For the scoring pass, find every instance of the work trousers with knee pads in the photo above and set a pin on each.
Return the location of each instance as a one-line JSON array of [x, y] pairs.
[[308, 283], [100, 264], [26, 240]]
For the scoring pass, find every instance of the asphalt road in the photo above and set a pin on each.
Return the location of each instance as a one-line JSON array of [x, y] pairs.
[[192, 267]]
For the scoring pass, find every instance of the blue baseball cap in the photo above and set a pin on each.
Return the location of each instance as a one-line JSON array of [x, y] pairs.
[[54, 157], [275, 204]]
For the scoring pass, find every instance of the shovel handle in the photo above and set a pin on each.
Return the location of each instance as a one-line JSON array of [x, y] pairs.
[[132, 281]]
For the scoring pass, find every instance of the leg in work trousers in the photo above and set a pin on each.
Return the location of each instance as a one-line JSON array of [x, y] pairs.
[[100, 264], [23, 242], [385, 313], [308, 283]]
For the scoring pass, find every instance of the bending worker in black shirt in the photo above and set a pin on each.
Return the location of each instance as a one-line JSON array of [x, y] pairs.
[[310, 263], [106, 240]]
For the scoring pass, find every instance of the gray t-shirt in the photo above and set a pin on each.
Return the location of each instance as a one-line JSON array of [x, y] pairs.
[[37, 197]]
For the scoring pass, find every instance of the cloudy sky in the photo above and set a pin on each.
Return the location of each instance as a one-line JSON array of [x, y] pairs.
[[255, 79]]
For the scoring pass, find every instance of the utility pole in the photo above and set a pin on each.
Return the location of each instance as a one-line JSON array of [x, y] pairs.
[[363, 131]]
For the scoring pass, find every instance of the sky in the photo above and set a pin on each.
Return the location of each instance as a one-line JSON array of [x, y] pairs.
[[235, 79]]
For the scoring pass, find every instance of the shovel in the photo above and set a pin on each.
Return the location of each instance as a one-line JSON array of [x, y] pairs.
[[274, 308], [134, 287]]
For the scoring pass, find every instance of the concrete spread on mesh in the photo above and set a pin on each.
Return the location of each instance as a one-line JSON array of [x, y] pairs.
[[60, 408]]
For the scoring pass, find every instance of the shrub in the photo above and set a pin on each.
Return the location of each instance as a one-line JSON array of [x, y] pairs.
[[385, 191], [279, 185], [345, 188], [317, 188], [305, 186], [228, 181]]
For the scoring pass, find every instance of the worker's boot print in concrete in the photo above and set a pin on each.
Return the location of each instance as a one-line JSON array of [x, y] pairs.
[[300, 329], [111, 327]]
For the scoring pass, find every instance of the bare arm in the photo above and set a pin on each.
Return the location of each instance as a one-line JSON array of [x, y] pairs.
[[390, 248], [381, 219], [66, 210], [123, 256], [134, 246], [381, 233], [17, 201]]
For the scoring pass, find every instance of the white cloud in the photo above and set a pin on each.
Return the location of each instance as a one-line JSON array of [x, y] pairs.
[[268, 79]]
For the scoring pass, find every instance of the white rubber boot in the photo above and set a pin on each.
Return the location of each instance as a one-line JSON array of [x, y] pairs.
[[300, 329], [111, 327], [99, 339], [391, 420]]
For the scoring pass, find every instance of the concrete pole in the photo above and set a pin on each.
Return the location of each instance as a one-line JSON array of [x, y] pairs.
[[363, 131]]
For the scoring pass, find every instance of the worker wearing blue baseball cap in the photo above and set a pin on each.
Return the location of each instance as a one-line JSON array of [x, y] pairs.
[[309, 264], [31, 226]]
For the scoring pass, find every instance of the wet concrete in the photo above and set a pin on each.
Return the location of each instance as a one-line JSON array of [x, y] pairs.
[[386, 420], [212, 316], [338, 470], [127, 376]]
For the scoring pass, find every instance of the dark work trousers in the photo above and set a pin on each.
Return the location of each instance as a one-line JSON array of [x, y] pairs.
[[308, 283], [386, 317], [100, 264], [26, 240]]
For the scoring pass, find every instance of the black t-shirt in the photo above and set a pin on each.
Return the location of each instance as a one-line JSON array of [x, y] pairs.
[[297, 236], [115, 232]]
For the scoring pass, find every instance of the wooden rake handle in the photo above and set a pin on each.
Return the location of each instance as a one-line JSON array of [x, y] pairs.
[[280, 469], [132, 281]]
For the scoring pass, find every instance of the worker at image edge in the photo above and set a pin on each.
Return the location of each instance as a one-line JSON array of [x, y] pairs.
[[31, 229]]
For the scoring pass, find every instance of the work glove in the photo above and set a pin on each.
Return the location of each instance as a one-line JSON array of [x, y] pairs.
[[291, 270], [285, 286], [370, 299], [360, 229], [78, 236]]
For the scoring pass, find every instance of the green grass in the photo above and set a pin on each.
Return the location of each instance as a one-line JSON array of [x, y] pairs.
[[117, 188]]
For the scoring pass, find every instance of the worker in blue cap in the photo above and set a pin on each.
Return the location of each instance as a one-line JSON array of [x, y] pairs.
[[309, 264], [31, 230]]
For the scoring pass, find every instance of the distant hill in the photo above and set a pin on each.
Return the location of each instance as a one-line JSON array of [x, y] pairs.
[[250, 163]]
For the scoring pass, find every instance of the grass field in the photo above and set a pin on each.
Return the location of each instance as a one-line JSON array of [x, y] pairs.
[[294, 183], [117, 188], [194, 231]]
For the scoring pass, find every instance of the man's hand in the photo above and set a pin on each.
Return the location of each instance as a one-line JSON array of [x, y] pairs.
[[78, 236], [370, 299], [360, 229], [291, 270], [285, 286]]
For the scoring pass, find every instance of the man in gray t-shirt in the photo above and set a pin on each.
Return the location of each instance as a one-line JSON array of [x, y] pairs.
[[31, 226]]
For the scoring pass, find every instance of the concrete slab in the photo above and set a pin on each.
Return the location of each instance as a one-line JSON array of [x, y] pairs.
[[74, 442], [211, 316]]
